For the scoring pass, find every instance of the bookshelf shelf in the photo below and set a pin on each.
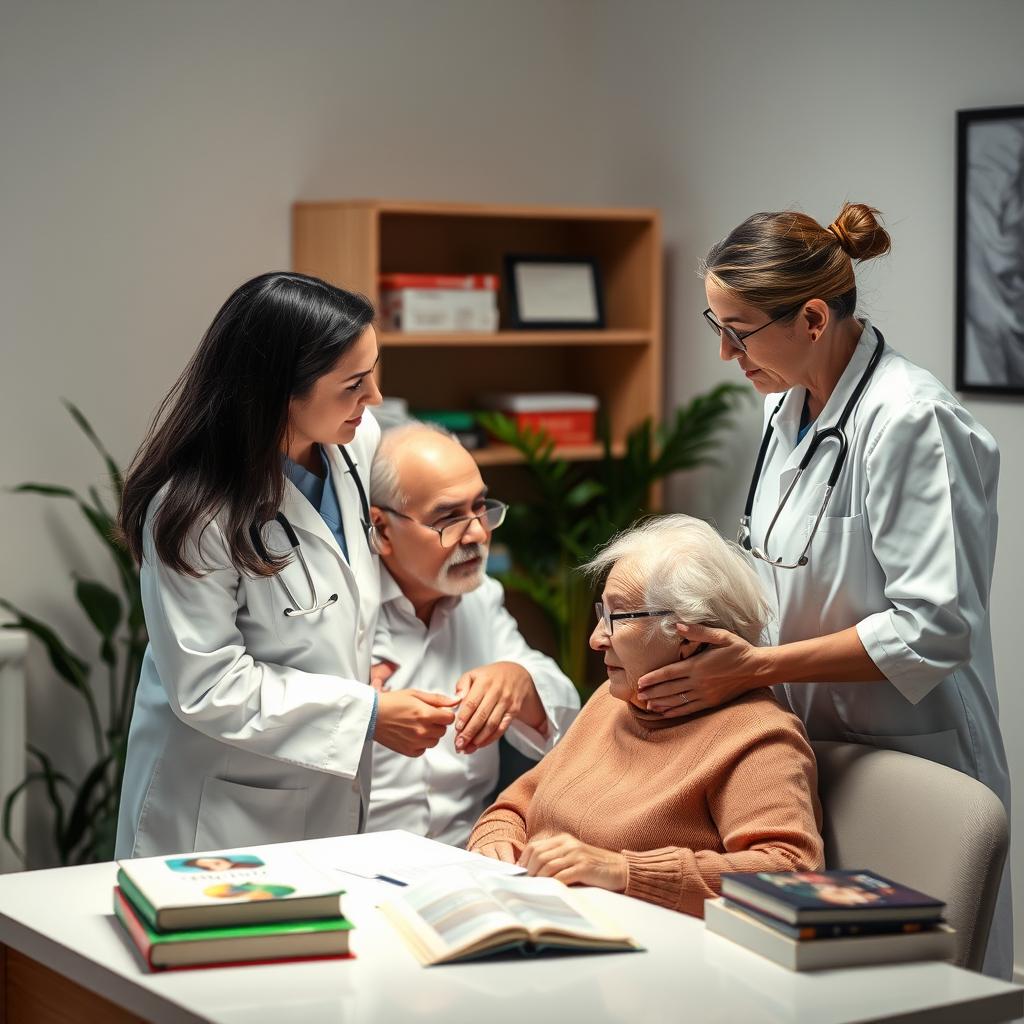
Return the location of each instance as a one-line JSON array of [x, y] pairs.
[[505, 455], [397, 339], [352, 242]]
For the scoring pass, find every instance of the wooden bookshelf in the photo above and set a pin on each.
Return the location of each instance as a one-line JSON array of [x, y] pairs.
[[352, 242]]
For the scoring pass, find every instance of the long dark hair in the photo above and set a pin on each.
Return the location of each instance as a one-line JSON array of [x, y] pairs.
[[217, 436]]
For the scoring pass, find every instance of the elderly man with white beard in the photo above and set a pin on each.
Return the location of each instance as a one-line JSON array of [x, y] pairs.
[[445, 631]]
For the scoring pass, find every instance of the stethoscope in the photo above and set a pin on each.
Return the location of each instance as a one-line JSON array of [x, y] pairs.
[[834, 433], [295, 609]]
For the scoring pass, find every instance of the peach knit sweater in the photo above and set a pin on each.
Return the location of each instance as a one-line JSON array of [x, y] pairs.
[[731, 789]]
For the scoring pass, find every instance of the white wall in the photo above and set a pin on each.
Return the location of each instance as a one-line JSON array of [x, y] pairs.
[[725, 109], [150, 153]]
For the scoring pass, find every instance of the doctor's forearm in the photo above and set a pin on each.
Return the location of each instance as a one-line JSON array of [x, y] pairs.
[[836, 658]]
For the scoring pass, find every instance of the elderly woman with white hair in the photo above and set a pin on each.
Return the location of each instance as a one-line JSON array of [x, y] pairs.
[[655, 807]]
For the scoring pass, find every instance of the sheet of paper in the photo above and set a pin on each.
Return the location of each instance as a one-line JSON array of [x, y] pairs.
[[401, 856]]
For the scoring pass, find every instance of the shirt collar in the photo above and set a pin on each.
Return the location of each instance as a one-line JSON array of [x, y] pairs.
[[391, 592], [851, 375], [787, 420], [307, 482]]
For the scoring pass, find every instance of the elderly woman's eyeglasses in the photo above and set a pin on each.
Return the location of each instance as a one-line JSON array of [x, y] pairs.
[[608, 619], [454, 530], [733, 336]]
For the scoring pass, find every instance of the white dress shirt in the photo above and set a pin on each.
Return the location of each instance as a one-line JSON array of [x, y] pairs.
[[441, 794]]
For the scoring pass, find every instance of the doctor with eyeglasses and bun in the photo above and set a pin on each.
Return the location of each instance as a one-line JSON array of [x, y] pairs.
[[246, 508], [871, 517]]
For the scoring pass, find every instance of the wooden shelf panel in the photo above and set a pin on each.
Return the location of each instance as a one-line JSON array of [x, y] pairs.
[[505, 455], [416, 208], [398, 339]]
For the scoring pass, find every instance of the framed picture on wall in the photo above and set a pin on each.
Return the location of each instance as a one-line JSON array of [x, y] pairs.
[[990, 251]]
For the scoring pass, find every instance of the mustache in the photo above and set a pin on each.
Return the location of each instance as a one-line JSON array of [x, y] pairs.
[[466, 553]]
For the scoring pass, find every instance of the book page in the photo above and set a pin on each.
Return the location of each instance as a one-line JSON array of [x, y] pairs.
[[400, 857], [544, 905], [455, 906]]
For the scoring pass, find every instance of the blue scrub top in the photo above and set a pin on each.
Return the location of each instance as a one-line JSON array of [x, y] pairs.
[[320, 494]]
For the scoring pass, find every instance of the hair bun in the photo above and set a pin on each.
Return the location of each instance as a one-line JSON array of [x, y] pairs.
[[859, 231]]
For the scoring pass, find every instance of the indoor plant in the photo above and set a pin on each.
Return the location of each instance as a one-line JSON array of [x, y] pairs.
[[579, 507], [85, 810]]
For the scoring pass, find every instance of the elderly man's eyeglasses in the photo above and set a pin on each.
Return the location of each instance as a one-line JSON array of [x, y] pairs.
[[454, 530], [734, 337], [608, 619]]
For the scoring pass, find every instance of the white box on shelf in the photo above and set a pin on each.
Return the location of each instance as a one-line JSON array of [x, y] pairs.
[[439, 302]]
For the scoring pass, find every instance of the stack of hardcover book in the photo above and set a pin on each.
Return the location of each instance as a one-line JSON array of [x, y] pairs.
[[229, 907], [807, 920]]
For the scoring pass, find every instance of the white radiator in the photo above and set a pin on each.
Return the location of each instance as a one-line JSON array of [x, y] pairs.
[[13, 646]]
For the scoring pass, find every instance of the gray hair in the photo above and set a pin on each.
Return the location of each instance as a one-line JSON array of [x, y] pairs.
[[384, 486], [685, 566]]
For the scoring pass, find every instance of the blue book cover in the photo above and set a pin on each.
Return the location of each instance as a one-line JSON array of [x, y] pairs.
[[830, 897]]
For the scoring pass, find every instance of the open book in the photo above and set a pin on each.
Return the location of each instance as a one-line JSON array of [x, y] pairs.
[[459, 915]]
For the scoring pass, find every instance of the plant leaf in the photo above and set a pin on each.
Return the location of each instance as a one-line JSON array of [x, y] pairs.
[[9, 811], [68, 665], [83, 809], [116, 480], [103, 607], [50, 490], [51, 777]]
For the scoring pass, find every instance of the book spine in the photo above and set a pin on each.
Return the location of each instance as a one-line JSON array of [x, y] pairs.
[[133, 926], [138, 901], [805, 932], [256, 963]]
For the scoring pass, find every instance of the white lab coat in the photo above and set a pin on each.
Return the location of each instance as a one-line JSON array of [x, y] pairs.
[[250, 727], [441, 794], [905, 554]]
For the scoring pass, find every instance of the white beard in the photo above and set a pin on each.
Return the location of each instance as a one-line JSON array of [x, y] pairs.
[[453, 586]]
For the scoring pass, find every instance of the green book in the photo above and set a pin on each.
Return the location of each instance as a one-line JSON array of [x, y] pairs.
[[231, 887], [286, 940]]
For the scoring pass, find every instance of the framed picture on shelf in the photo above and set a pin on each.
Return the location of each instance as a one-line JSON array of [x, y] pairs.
[[990, 251], [553, 292]]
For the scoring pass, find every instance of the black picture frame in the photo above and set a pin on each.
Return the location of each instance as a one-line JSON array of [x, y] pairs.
[[990, 241], [518, 314]]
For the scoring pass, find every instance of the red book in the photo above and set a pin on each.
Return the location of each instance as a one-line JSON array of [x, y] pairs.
[[279, 942]]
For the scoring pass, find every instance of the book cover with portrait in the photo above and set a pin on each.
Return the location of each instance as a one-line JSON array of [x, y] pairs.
[[226, 887]]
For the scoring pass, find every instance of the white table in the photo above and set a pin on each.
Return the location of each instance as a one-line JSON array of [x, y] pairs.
[[60, 933]]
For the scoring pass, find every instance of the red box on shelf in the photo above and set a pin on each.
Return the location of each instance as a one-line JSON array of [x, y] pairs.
[[569, 418]]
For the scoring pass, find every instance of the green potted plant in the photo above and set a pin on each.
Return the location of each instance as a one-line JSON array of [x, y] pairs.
[[84, 811], [579, 507]]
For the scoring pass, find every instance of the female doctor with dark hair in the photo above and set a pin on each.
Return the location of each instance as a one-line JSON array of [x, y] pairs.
[[871, 517], [246, 508]]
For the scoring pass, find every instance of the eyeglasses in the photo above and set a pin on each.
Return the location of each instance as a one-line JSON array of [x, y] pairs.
[[608, 619], [452, 532], [736, 339]]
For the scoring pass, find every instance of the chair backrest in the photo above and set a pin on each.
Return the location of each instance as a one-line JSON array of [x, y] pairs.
[[919, 823]]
